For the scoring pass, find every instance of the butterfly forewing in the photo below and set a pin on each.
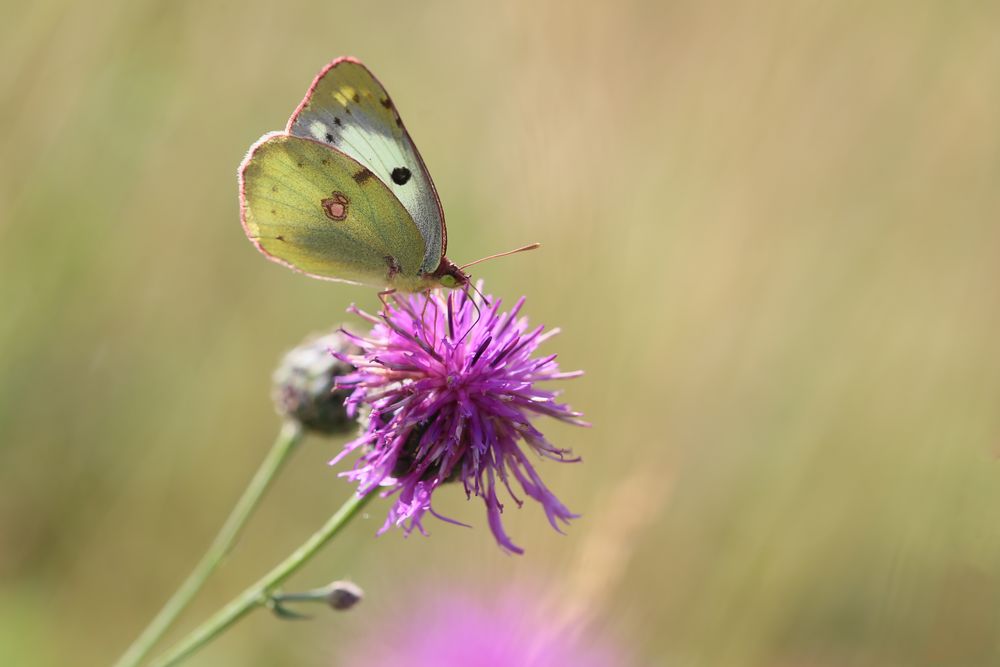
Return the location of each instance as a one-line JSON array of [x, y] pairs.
[[347, 108], [317, 210]]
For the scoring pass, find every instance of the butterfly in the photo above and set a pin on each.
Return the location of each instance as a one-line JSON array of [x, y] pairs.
[[343, 194]]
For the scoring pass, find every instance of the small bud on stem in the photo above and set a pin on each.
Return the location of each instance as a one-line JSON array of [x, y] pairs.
[[340, 596], [304, 384]]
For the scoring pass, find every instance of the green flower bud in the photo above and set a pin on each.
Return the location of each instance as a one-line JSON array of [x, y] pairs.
[[304, 384], [343, 595]]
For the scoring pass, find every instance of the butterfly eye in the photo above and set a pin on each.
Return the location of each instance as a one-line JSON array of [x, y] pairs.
[[400, 175]]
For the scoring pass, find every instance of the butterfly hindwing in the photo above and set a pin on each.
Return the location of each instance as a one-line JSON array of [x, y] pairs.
[[348, 109], [317, 210]]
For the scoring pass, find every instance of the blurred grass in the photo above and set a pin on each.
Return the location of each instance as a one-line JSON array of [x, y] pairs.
[[770, 236]]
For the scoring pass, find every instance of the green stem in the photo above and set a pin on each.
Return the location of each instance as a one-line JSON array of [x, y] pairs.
[[258, 594], [288, 438]]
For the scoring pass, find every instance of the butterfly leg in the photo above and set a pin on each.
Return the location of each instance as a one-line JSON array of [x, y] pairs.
[[384, 295], [423, 311], [437, 313], [470, 286], [479, 315]]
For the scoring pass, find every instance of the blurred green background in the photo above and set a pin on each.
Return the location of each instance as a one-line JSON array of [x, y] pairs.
[[771, 236]]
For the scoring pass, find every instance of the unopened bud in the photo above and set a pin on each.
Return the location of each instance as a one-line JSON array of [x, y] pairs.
[[340, 596], [344, 595], [304, 384]]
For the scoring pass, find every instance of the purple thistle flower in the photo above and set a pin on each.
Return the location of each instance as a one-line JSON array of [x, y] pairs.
[[451, 385]]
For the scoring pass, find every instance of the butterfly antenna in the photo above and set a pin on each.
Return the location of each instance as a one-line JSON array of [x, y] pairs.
[[530, 246]]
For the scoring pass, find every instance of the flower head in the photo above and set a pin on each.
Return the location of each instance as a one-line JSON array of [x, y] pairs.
[[450, 628], [451, 383]]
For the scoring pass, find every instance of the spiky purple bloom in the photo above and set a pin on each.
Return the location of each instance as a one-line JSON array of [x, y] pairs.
[[451, 385]]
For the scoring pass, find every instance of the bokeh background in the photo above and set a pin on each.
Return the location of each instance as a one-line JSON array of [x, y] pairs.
[[771, 236]]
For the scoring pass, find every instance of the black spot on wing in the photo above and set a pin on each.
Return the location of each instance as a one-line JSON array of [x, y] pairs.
[[401, 175], [329, 137], [386, 102], [362, 175], [336, 121]]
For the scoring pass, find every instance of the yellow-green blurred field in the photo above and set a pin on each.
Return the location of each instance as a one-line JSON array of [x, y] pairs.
[[771, 236]]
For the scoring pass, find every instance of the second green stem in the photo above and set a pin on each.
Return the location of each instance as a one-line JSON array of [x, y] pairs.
[[284, 445], [258, 594]]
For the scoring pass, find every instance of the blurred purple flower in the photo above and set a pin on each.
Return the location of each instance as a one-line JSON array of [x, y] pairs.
[[451, 629], [451, 385]]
